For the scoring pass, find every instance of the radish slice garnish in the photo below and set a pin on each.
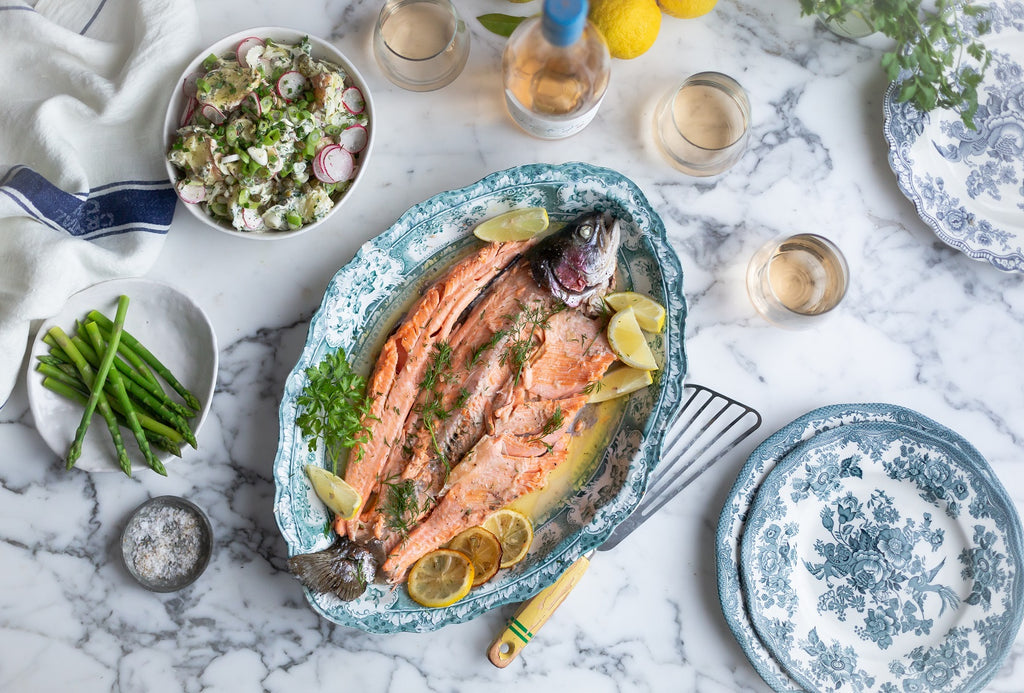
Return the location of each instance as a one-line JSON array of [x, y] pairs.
[[353, 100], [188, 85], [353, 139], [244, 46], [213, 114], [186, 113], [192, 193], [333, 164], [252, 219], [291, 85]]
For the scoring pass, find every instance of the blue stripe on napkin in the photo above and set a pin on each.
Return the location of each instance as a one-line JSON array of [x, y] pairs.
[[108, 210]]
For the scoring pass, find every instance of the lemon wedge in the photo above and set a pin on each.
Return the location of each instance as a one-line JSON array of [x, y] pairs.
[[336, 494], [619, 382], [650, 314], [483, 549], [514, 225], [515, 533], [440, 578], [628, 341]]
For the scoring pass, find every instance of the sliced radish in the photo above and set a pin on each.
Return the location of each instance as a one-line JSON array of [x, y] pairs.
[[192, 193], [213, 114], [291, 85], [252, 219], [333, 164], [244, 46], [188, 85], [186, 113], [353, 139], [353, 100]]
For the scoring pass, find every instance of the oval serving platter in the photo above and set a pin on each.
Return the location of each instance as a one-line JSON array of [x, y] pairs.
[[365, 298]]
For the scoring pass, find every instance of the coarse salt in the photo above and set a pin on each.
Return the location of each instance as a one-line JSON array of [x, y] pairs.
[[164, 543]]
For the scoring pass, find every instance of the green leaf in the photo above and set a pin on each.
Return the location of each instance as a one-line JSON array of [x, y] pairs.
[[500, 24]]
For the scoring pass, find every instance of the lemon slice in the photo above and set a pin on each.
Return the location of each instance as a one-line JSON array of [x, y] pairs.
[[628, 341], [483, 549], [650, 314], [515, 533], [514, 225], [620, 382], [336, 494], [440, 578]]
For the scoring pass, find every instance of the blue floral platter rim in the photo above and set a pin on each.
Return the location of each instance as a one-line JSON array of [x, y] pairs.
[[850, 567], [379, 283], [968, 186], [741, 496]]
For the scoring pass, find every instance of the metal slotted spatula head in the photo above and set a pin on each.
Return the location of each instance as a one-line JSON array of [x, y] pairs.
[[709, 425]]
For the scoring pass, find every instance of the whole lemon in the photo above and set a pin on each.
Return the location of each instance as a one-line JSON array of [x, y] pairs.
[[687, 9], [629, 27]]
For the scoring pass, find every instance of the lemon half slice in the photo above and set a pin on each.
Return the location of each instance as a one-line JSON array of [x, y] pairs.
[[514, 225], [440, 578], [515, 532], [628, 342], [619, 382], [650, 314], [336, 494], [483, 549]]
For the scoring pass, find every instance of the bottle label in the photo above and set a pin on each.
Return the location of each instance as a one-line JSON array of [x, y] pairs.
[[547, 127]]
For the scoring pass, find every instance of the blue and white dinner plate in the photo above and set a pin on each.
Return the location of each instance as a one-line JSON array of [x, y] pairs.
[[968, 185], [879, 557], [362, 303], [741, 497]]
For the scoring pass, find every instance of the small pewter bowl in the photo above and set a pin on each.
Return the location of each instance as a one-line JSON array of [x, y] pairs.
[[166, 543]]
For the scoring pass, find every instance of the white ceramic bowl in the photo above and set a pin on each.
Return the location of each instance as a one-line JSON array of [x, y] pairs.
[[170, 324], [321, 50]]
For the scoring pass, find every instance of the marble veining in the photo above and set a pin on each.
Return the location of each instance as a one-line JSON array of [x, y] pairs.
[[923, 326]]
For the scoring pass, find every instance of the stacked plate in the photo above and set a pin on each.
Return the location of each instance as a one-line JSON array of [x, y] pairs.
[[866, 547]]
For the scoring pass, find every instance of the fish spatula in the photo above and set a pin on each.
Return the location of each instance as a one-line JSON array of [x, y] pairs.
[[707, 427]]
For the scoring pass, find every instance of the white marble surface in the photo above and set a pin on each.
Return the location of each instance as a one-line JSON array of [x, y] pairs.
[[923, 326]]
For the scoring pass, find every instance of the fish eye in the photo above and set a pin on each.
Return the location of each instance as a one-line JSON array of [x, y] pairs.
[[586, 231]]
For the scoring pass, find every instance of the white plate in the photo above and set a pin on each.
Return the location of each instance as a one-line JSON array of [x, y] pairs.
[[879, 557], [174, 328], [968, 185]]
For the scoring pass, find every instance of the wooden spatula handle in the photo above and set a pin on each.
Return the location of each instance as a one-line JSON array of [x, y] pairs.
[[533, 614]]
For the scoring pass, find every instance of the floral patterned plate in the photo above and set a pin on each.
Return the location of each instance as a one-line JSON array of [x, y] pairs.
[[968, 185], [359, 308], [878, 557], [741, 497]]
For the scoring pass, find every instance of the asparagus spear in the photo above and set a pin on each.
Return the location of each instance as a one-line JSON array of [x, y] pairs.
[[126, 370], [95, 394], [97, 386], [126, 404], [159, 405], [57, 370], [148, 357], [69, 390]]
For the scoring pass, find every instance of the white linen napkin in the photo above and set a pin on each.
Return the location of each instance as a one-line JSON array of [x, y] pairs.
[[84, 196]]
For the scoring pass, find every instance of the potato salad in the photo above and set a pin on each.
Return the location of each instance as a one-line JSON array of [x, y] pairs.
[[270, 137]]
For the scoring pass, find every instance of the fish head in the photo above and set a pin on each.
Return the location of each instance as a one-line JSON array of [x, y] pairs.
[[574, 263]]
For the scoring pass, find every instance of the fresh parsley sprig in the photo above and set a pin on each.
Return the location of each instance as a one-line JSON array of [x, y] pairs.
[[334, 407], [930, 48]]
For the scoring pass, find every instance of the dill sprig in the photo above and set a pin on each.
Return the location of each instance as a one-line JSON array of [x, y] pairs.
[[401, 505]]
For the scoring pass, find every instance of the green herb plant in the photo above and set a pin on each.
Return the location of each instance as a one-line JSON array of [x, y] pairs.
[[334, 408], [930, 51]]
